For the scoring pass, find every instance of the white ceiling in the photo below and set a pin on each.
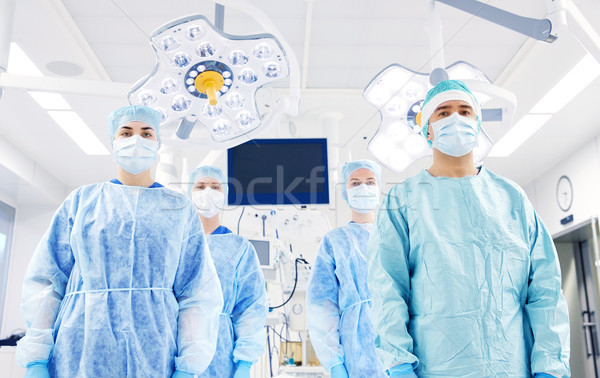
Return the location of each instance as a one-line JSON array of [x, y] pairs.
[[350, 42]]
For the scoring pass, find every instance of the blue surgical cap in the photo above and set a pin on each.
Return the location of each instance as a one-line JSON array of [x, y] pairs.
[[447, 90], [208, 171], [127, 114], [352, 166]]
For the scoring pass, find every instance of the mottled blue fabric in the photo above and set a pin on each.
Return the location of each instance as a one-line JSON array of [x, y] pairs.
[[338, 303], [466, 280], [242, 323], [122, 284]]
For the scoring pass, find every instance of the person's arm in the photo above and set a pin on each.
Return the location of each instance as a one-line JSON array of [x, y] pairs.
[[389, 283], [546, 307], [322, 308], [43, 290], [198, 292], [249, 314]]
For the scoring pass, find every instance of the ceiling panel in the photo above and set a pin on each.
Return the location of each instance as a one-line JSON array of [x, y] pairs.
[[350, 42]]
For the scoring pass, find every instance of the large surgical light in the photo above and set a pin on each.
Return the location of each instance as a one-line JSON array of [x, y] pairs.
[[399, 92], [206, 76]]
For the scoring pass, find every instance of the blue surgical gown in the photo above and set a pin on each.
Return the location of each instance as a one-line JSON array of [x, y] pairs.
[[338, 304], [466, 281], [122, 284], [242, 322]]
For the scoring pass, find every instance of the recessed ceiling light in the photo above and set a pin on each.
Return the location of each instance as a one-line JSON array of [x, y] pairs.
[[50, 101], [575, 81], [77, 129], [518, 134], [20, 64]]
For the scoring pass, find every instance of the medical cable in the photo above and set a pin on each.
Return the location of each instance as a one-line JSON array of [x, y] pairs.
[[270, 352], [278, 334], [303, 261], [239, 220]]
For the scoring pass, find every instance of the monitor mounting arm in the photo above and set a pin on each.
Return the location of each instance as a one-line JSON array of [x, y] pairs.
[[562, 16], [531, 27]]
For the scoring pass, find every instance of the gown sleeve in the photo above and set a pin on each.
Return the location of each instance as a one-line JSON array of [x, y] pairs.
[[44, 287], [389, 282], [249, 314], [198, 292], [323, 311], [546, 307]]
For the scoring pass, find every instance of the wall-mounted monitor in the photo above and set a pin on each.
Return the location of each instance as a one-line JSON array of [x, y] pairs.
[[278, 172]]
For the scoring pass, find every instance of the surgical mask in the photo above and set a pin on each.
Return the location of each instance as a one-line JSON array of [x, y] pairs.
[[363, 198], [135, 154], [455, 135], [208, 201]]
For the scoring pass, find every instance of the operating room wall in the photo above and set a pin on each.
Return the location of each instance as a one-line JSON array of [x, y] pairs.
[[583, 169], [31, 222]]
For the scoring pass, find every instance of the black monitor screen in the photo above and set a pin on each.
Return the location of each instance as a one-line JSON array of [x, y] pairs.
[[278, 172]]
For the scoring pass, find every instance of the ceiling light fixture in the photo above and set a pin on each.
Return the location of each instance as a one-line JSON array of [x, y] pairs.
[[206, 76], [79, 131], [50, 101], [519, 133], [20, 64], [399, 92], [575, 81]]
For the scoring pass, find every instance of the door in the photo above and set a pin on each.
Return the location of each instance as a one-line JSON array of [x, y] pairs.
[[578, 250]]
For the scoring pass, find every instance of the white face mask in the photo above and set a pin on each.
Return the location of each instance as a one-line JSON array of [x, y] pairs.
[[363, 198], [455, 135], [135, 154], [208, 202]]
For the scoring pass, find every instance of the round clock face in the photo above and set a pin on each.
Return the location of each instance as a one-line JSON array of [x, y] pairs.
[[564, 193]]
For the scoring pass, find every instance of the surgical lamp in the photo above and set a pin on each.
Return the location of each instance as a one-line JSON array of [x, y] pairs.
[[399, 92], [206, 76]]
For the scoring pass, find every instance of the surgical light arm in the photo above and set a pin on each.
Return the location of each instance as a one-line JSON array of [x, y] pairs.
[[531, 27], [563, 15]]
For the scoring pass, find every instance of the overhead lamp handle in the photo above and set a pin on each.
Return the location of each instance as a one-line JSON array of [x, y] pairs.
[[211, 92]]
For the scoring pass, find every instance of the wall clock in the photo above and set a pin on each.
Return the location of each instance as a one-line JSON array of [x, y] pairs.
[[564, 193]]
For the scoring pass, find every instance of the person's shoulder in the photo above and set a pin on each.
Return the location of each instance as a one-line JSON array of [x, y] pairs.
[[337, 231], [410, 182], [505, 183], [230, 238], [397, 195], [85, 191], [173, 193], [509, 186], [175, 200]]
